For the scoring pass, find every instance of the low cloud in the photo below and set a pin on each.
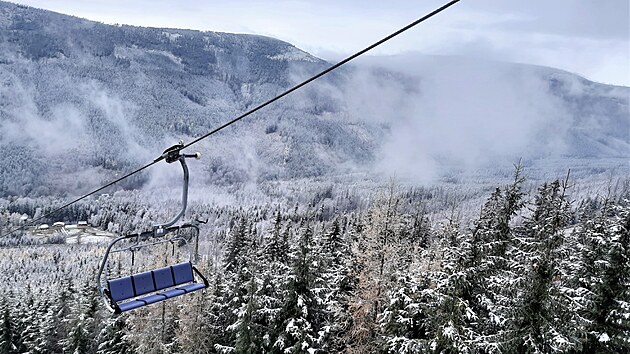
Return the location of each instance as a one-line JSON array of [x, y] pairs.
[[455, 111], [60, 130]]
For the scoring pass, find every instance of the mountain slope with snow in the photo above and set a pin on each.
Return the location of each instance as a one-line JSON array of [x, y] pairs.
[[81, 101]]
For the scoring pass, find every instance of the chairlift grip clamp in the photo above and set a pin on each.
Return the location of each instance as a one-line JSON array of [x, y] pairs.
[[173, 153]]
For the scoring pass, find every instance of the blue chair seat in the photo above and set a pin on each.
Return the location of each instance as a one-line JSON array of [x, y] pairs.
[[130, 305], [143, 283], [177, 280], [163, 278], [172, 293], [192, 287], [151, 299]]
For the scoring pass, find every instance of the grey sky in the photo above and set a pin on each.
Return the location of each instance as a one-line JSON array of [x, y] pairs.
[[588, 37]]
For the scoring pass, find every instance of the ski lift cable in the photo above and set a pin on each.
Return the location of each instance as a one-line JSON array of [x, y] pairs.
[[253, 110]]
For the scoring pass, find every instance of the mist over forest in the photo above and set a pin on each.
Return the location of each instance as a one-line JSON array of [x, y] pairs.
[[401, 204]]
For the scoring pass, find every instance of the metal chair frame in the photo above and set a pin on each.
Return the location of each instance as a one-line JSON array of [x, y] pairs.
[[158, 234]]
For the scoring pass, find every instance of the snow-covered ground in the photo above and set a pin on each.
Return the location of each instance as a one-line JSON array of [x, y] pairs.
[[74, 234], [81, 239], [86, 235]]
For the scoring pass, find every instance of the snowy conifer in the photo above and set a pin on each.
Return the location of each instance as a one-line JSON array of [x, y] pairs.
[[603, 278], [113, 338], [336, 259], [301, 316], [6, 329], [542, 321]]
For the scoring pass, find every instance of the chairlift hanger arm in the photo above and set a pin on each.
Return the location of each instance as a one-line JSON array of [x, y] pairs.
[[171, 155]]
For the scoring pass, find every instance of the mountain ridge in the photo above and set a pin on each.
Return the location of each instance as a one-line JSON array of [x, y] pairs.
[[82, 101]]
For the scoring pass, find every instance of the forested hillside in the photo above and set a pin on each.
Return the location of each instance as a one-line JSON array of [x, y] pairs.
[[81, 101], [538, 273]]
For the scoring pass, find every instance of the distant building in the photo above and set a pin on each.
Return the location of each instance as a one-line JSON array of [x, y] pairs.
[[43, 227], [59, 224], [82, 224]]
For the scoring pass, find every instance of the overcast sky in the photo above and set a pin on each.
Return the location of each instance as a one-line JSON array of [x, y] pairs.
[[588, 37]]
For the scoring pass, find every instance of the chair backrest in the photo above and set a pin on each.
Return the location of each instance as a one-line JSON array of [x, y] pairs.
[[143, 283], [163, 278], [121, 289], [182, 273]]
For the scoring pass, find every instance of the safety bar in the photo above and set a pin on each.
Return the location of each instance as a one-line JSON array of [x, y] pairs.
[[139, 246]]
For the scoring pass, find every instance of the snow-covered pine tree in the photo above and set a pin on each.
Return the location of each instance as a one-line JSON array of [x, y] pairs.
[[336, 259], [249, 333], [407, 319], [541, 321], [37, 339], [238, 267], [451, 328], [218, 317], [617, 279], [273, 268], [88, 303], [22, 315], [276, 243], [48, 326], [78, 338], [238, 253], [60, 315], [30, 318], [491, 279], [302, 314], [6, 328], [113, 337], [602, 279]]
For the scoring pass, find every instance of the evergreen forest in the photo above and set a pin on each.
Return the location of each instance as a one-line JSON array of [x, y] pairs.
[[532, 272]]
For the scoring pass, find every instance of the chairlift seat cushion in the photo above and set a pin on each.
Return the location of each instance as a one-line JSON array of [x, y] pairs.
[[121, 289], [183, 273], [151, 299], [130, 305], [143, 283], [172, 293], [192, 287], [163, 278]]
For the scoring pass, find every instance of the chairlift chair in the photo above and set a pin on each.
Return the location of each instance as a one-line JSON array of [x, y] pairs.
[[137, 290]]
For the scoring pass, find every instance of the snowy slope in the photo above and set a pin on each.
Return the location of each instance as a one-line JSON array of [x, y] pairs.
[[82, 101]]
